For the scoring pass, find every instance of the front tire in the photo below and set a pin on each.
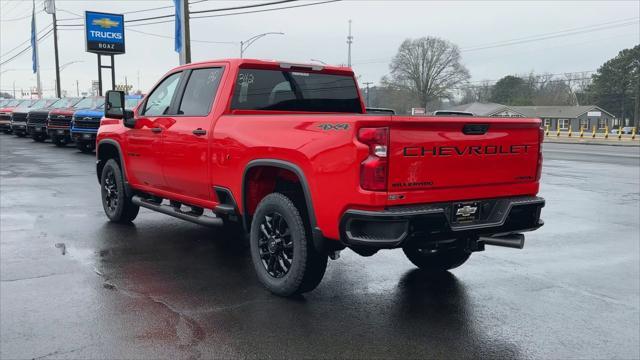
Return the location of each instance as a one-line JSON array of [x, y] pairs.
[[436, 261], [39, 138], [115, 202], [59, 141], [85, 147], [282, 251]]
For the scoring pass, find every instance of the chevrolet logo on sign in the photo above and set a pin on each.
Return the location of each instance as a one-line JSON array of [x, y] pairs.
[[105, 23]]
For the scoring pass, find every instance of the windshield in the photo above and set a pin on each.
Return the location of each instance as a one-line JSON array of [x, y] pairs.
[[24, 104], [64, 103], [129, 104], [259, 89], [89, 103], [39, 104]]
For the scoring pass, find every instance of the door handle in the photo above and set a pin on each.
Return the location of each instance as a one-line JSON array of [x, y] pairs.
[[199, 132], [156, 129]]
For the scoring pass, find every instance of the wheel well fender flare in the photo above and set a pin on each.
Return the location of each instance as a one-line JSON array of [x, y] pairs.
[[123, 168], [282, 165]]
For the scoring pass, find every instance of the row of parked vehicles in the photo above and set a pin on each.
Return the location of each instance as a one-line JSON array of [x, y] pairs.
[[64, 121]]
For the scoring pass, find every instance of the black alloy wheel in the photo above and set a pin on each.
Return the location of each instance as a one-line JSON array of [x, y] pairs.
[[282, 250], [111, 194], [116, 203], [275, 244]]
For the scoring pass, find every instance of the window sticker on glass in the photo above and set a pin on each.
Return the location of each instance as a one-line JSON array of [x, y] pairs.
[[299, 73], [245, 78]]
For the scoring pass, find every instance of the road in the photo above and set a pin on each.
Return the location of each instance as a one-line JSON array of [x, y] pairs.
[[75, 286]]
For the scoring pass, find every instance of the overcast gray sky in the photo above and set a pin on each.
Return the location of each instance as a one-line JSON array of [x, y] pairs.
[[320, 31]]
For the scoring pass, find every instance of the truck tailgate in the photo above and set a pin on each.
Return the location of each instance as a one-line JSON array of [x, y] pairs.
[[429, 153]]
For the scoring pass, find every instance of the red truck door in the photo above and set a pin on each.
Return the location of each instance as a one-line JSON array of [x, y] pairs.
[[185, 155], [144, 142]]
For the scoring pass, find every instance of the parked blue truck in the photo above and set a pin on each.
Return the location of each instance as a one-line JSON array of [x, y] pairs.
[[85, 123]]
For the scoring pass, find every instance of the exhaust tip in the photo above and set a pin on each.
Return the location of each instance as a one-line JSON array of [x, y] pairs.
[[514, 241]]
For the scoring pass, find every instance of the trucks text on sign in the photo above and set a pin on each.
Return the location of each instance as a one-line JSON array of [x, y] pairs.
[[104, 33]]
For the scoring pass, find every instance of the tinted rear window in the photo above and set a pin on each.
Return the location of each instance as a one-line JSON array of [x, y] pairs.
[[295, 91]]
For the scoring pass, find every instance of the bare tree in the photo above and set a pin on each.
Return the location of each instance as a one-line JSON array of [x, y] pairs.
[[578, 84], [477, 93], [429, 68]]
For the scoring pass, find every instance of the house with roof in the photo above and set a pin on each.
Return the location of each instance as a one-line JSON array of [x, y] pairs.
[[555, 118], [487, 109], [572, 118]]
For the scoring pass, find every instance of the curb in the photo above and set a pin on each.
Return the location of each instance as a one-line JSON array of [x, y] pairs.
[[612, 143]]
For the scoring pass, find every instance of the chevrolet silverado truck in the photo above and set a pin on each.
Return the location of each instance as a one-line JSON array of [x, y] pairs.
[[7, 110], [287, 153], [19, 116], [38, 119], [84, 127], [58, 122]]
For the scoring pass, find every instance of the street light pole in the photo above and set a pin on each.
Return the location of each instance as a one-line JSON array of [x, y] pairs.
[[246, 43]]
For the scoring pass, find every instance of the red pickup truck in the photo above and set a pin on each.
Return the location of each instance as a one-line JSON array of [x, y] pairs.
[[287, 154]]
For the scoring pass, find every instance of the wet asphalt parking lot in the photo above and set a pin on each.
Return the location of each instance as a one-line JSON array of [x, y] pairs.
[[75, 286]]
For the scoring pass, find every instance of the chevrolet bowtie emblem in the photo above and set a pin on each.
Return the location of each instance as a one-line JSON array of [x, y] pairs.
[[466, 211], [105, 23]]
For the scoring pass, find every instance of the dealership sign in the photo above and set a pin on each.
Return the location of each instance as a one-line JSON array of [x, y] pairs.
[[104, 33]]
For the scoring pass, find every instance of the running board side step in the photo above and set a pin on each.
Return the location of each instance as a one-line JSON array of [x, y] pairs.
[[515, 241], [172, 211]]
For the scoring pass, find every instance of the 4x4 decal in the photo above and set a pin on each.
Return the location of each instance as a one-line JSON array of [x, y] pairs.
[[327, 127]]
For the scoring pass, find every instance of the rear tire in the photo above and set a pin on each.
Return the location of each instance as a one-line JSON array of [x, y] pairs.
[[282, 250], [115, 202], [438, 261]]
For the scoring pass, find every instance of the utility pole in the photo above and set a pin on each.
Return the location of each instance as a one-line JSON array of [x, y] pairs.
[[349, 42], [182, 14], [77, 89], [14, 89], [367, 85], [50, 8]]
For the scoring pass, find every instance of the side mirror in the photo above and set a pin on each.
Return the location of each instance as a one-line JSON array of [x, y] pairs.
[[114, 108], [114, 104]]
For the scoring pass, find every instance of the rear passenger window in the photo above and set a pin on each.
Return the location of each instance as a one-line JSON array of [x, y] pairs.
[[200, 92]]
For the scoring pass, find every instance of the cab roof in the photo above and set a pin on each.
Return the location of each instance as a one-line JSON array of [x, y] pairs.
[[235, 62]]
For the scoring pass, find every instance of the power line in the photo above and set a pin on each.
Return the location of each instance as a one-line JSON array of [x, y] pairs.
[[25, 49], [241, 7], [192, 40], [550, 37], [24, 42], [16, 3], [556, 32], [146, 10], [22, 17], [265, 10], [217, 10], [533, 38]]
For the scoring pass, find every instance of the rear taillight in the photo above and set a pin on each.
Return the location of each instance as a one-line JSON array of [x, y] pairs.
[[540, 141], [373, 170]]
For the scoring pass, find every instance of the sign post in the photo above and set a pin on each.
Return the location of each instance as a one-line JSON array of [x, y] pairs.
[[104, 35]]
